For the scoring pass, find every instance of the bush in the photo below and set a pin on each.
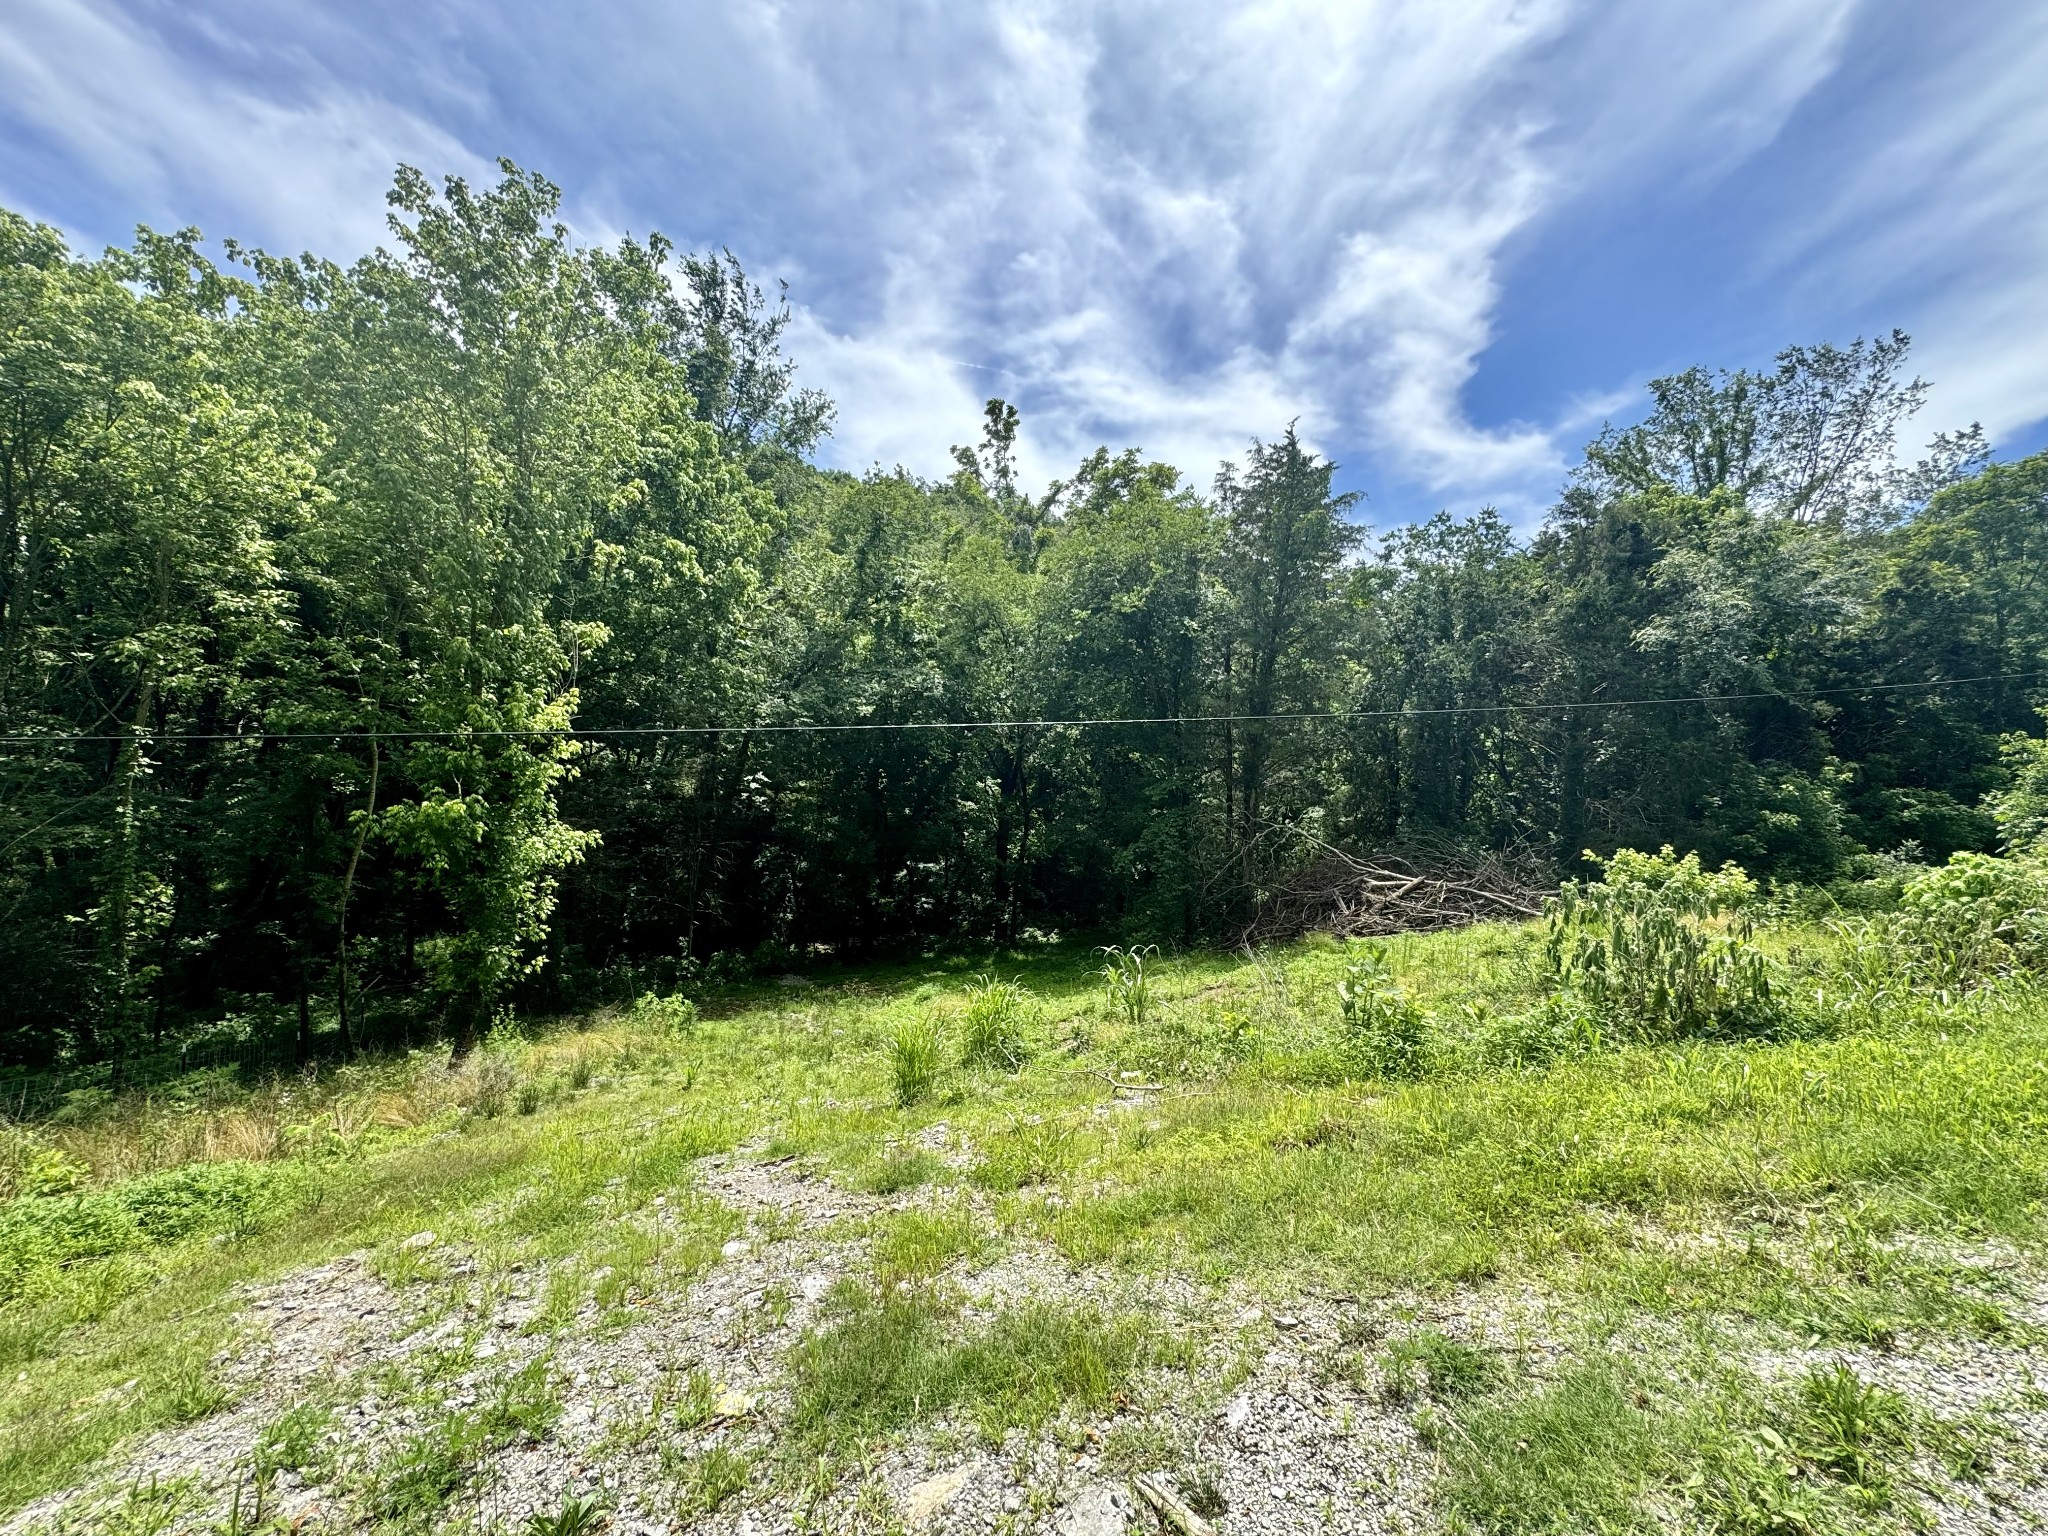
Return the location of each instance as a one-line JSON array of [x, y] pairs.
[[1661, 948], [993, 1023], [671, 1015], [1975, 916], [1385, 1033]]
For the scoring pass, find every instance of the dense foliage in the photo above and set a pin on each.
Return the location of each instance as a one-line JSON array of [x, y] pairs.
[[307, 571]]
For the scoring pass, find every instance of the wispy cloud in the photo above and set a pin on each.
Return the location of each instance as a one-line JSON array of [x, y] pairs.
[[1159, 222], [304, 155]]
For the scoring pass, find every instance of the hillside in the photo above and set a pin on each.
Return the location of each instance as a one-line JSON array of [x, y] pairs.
[[1331, 1237]]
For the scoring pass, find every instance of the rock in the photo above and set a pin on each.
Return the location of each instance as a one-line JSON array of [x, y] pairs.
[[418, 1241], [923, 1503], [736, 1247], [792, 981], [734, 1404], [1237, 1412], [1094, 1511]]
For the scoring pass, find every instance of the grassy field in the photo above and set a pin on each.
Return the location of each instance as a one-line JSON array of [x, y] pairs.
[[1701, 1237]]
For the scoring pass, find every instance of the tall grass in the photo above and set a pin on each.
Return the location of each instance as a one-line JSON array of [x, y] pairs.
[[993, 1024]]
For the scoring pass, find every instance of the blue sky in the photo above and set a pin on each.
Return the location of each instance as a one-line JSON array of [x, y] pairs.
[[1449, 238]]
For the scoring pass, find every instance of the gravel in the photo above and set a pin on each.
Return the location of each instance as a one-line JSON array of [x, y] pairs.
[[1282, 1429]]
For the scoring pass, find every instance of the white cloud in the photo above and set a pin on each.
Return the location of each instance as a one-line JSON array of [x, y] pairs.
[[1158, 222], [306, 164], [1177, 226]]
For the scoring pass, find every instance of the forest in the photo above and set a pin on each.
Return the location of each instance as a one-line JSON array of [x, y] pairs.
[[469, 628]]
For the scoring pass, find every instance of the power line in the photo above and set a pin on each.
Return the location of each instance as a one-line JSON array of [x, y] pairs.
[[26, 738]]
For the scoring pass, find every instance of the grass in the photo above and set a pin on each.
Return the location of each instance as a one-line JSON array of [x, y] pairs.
[[899, 1355], [1608, 1445], [1402, 1120]]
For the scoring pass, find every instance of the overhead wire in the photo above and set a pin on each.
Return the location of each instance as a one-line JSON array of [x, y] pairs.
[[820, 727]]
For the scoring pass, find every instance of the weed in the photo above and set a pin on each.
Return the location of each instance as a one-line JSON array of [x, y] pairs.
[[1557, 1029], [492, 1079], [904, 1168], [294, 1440], [1029, 1150], [697, 1402], [914, 1055], [579, 1515], [891, 1359], [992, 1025], [1203, 1493], [1430, 1363], [530, 1098], [1847, 1426], [438, 1462], [1384, 1032], [147, 1509], [1576, 1455], [1126, 987], [185, 1387], [917, 1245], [715, 1476]]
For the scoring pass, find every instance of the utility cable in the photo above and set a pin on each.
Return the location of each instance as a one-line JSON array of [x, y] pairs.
[[26, 738]]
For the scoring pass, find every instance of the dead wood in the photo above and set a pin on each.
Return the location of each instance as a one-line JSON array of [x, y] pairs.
[[1413, 889], [1168, 1506]]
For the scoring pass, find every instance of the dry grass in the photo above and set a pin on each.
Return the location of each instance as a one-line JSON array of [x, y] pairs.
[[217, 1119]]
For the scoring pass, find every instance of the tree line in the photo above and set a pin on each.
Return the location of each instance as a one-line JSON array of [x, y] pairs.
[[336, 602]]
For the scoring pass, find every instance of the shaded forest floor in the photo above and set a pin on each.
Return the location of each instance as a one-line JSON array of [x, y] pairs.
[[807, 1264]]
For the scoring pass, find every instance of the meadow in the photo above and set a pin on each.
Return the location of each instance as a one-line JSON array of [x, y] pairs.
[[1609, 1267]]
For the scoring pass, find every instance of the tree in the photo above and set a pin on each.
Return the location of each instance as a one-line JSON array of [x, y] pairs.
[[1285, 536]]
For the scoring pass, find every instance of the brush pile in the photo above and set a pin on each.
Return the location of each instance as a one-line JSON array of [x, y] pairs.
[[1411, 891]]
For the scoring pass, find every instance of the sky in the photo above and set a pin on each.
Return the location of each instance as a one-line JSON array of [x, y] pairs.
[[1448, 239]]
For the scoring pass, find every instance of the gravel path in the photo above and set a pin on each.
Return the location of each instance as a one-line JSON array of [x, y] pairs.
[[1282, 1430]]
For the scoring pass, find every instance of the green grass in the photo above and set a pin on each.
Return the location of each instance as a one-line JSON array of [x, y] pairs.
[[1837, 1183], [1610, 1444], [890, 1358]]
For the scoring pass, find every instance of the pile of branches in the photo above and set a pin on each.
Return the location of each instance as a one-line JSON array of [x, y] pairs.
[[1414, 889]]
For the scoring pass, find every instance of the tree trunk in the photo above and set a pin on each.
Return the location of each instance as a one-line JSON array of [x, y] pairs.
[[121, 889], [348, 884]]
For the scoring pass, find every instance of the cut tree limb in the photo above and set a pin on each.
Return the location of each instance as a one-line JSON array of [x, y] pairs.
[[1168, 1506], [1414, 889]]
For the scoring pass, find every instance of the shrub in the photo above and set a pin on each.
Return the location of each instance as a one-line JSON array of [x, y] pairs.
[[993, 1024], [1975, 916], [914, 1059], [1661, 947], [1385, 1032], [671, 1015]]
